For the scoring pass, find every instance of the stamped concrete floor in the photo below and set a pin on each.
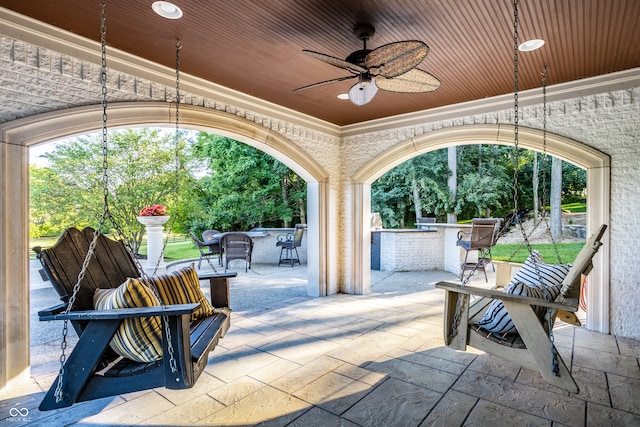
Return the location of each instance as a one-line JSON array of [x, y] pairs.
[[348, 360]]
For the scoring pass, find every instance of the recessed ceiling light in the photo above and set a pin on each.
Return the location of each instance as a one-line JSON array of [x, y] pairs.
[[530, 45], [343, 96], [166, 9]]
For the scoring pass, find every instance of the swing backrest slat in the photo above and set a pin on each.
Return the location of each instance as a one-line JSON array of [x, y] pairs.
[[110, 266]]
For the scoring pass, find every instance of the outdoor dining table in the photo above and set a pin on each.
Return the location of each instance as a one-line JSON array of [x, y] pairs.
[[217, 237]]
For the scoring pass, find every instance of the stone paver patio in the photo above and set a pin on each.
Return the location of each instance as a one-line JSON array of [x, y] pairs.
[[348, 360]]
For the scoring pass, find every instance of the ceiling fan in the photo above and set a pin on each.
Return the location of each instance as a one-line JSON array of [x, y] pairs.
[[391, 67]]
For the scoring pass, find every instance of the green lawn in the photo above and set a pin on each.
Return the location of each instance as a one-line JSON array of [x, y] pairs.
[[178, 249], [575, 207], [567, 251]]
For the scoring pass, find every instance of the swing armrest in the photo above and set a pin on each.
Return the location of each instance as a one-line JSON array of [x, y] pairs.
[[121, 313], [51, 311], [567, 305], [208, 276], [219, 286]]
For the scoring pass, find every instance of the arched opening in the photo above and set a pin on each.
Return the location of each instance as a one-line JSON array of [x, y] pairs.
[[598, 184], [82, 120], [19, 135]]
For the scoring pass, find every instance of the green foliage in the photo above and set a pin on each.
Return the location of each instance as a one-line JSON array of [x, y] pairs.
[[219, 183], [485, 184], [141, 172], [242, 187], [392, 194]]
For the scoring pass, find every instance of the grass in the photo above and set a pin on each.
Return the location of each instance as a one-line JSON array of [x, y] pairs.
[[575, 207], [177, 250], [567, 251]]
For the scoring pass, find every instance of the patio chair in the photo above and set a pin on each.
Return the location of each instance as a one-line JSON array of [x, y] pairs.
[[236, 245], [289, 243], [206, 250], [211, 238], [481, 238]]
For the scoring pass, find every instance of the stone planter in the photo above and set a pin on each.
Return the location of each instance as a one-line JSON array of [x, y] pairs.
[[154, 228]]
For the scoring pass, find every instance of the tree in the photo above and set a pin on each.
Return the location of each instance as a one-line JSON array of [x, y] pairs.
[[556, 199], [141, 172], [535, 182], [240, 187], [413, 188], [452, 163], [484, 187], [50, 209]]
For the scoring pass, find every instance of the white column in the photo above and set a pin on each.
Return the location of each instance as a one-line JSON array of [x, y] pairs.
[[154, 228]]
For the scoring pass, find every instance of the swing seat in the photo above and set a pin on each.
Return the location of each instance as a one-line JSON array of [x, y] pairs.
[[530, 346], [93, 370]]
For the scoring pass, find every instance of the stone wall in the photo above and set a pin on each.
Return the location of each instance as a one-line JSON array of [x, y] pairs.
[[37, 80]]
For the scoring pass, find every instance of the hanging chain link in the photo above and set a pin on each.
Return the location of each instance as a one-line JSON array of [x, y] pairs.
[[176, 162], [554, 360], [516, 169], [516, 166], [59, 392]]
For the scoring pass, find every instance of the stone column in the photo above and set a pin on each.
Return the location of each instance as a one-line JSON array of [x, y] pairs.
[[154, 228], [14, 263]]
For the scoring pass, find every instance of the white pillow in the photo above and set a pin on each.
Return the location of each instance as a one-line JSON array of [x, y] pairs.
[[527, 282]]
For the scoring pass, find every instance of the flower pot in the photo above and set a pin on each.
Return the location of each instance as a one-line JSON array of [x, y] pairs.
[[153, 220]]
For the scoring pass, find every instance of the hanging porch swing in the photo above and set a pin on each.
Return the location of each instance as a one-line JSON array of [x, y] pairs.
[[135, 332], [517, 324]]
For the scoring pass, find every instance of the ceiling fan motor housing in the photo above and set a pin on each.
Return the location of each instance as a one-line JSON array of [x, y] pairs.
[[358, 57]]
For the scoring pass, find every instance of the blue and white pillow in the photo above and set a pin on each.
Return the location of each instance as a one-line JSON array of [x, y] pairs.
[[547, 286]]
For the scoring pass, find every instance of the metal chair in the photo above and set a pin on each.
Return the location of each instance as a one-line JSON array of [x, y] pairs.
[[236, 245], [481, 238], [289, 243], [211, 238], [206, 250]]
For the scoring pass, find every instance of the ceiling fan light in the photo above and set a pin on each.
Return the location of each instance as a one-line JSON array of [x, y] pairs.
[[343, 96], [361, 94], [167, 9]]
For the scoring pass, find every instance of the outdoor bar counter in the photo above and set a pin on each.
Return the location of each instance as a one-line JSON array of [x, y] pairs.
[[417, 249]]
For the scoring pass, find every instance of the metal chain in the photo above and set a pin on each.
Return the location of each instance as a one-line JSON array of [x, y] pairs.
[[516, 167], [176, 161], [544, 141], [554, 360], [59, 393], [544, 164]]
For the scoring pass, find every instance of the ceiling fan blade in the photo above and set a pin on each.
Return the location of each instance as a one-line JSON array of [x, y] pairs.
[[336, 62], [326, 82], [361, 94], [394, 59], [413, 81]]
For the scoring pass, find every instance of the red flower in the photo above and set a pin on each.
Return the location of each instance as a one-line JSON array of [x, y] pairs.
[[154, 210]]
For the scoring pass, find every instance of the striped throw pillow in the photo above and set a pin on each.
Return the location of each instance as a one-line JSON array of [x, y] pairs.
[[138, 339], [527, 282], [181, 287]]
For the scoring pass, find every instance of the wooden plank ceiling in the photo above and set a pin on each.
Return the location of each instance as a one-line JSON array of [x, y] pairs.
[[255, 46]]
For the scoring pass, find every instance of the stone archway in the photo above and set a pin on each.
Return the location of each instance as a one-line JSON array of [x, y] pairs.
[[596, 163], [19, 135]]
